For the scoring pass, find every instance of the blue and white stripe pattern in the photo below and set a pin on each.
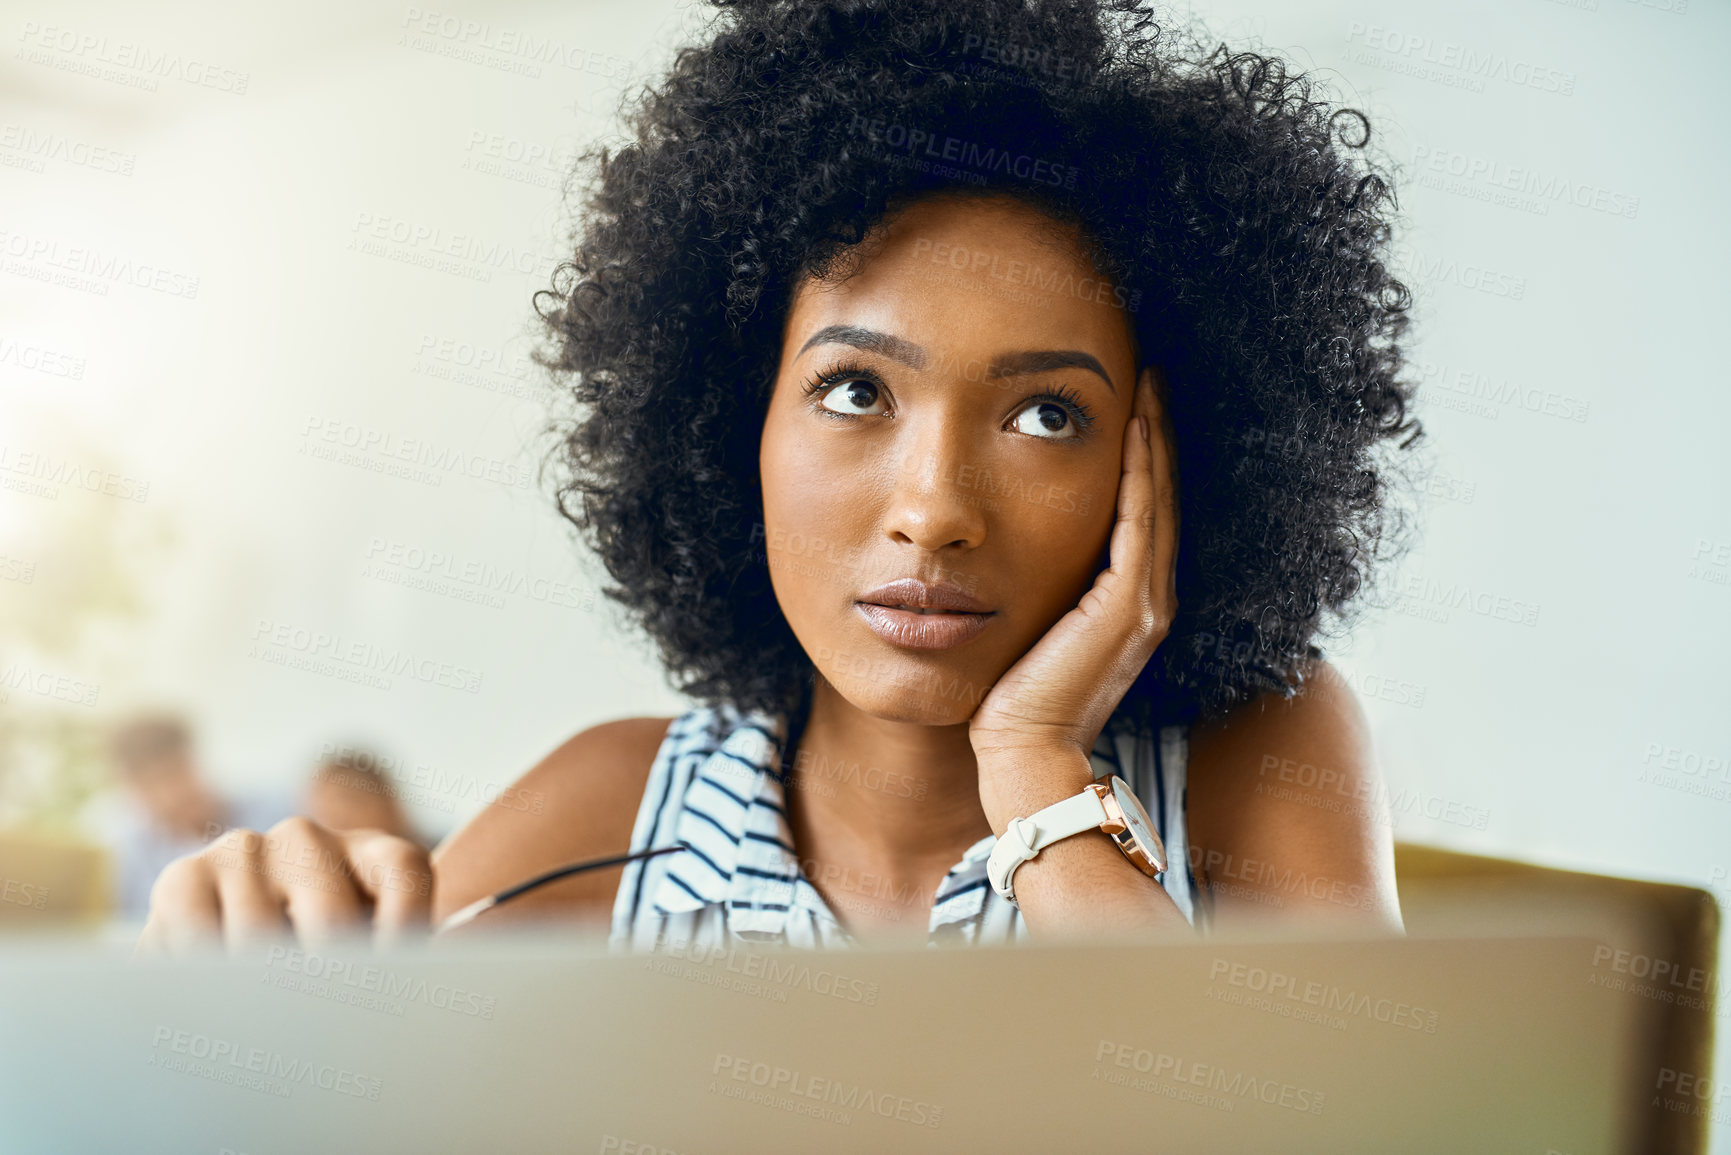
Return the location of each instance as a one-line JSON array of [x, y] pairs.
[[716, 786]]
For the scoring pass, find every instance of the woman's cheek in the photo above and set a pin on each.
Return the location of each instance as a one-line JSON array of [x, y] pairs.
[[814, 499]]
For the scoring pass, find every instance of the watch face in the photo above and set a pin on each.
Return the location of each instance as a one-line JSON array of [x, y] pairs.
[[1136, 818]]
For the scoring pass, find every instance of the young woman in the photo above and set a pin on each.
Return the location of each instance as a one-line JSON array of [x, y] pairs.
[[975, 401]]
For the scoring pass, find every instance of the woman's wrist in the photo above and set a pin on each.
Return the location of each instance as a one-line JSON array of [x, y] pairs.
[[1079, 885], [1016, 783]]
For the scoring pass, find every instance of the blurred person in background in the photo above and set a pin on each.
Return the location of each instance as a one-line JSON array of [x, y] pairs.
[[349, 792], [167, 808]]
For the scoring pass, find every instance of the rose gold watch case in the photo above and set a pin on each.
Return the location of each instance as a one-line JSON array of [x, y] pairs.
[[1150, 860]]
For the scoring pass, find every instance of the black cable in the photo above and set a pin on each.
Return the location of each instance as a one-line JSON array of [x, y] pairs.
[[460, 917]]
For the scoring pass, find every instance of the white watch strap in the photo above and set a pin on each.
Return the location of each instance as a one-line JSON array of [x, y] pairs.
[[1023, 838]]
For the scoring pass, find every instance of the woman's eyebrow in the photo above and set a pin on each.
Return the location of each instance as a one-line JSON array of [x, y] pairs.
[[914, 357], [1012, 364], [895, 348]]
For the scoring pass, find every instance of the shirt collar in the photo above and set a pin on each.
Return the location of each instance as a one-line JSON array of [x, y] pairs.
[[734, 819]]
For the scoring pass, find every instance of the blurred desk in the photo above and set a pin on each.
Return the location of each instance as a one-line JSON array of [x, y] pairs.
[[49, 882], [1660, 946]]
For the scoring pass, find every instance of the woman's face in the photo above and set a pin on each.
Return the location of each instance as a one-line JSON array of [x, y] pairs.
[[973, 381]]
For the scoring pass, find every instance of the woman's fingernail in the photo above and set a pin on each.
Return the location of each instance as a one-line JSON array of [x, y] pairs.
[[1142, 424]]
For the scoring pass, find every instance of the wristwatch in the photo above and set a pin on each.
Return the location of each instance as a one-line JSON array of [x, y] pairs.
[[1109, 805]]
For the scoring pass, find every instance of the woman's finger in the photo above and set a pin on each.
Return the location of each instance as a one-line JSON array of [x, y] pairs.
[[1132, 534], [309, 869], [253, 911], [185, 912], [1163, 453], [398, 876]]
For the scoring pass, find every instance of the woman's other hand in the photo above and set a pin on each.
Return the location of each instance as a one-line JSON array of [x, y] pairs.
[[1058, 696], [299, 880]]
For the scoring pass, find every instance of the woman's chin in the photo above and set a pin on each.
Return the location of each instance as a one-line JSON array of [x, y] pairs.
[[925, 700]]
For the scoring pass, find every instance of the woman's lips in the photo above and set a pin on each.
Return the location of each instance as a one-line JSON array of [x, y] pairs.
[[923, 630]]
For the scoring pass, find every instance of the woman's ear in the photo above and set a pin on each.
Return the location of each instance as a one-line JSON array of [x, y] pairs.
[[1163, 395], [1162, 388]]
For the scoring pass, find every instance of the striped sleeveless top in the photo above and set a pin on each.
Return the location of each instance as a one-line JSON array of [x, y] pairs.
[[717, 786]]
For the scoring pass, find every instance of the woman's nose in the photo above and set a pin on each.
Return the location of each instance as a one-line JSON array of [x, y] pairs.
[[938, 500]]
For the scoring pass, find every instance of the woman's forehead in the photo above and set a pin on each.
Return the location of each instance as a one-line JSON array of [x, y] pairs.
[[966, 275]]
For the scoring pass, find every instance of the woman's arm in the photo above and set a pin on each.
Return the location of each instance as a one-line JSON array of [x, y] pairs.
[[1287, 813], [578, 802]]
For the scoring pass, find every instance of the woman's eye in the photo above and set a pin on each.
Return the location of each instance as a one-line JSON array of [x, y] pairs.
[[854, 398], [1044, 419]]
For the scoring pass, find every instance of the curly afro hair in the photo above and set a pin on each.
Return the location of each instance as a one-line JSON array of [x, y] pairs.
[[1239, 214]]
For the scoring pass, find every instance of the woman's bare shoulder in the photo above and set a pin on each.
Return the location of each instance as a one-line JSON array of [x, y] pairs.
[[1285, 789], [578, 802]]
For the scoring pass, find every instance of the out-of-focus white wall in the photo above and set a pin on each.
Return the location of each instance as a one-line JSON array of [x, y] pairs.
[[1546, 682], [1545, 676], [323, 379], [249, 264]]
